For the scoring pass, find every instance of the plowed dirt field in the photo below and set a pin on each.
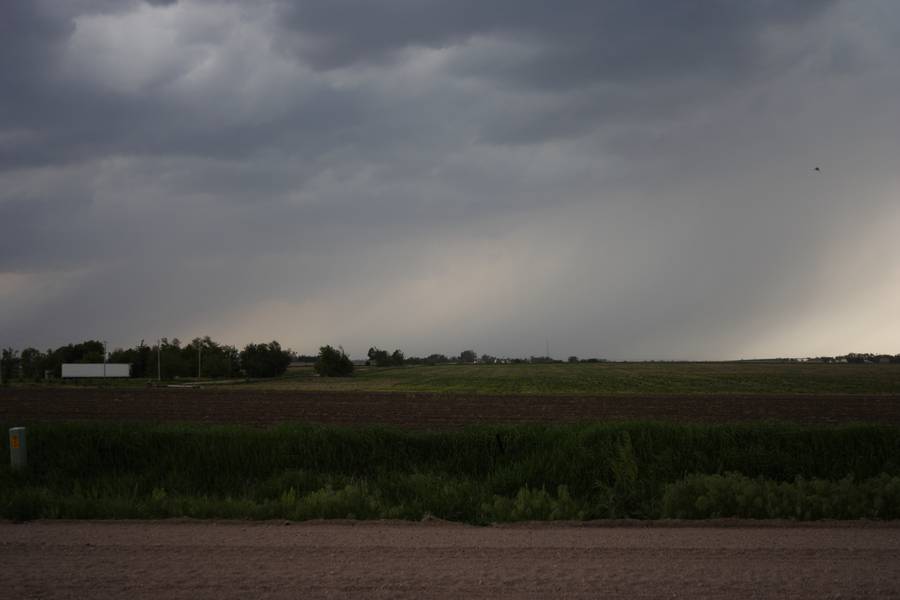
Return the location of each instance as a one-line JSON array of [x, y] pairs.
[[424, 410]]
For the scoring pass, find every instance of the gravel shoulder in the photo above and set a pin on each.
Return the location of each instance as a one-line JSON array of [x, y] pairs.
[[195, 559]]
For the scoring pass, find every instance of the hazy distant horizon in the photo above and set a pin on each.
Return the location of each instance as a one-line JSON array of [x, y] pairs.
[[452, 354], [634, 180]]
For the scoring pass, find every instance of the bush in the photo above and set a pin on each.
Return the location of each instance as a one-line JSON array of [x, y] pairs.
[[735, 495], [333, 363]]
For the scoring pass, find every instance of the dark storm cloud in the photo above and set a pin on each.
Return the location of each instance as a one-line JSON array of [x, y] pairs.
[[36, 228], [629, 178], [59, 118], [577, 42], [617, 45], [29, 41], [601, 61]]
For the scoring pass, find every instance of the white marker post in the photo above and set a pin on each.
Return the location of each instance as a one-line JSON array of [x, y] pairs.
[[18, 457]]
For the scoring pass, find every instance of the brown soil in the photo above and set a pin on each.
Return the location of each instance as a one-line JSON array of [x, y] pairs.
[[423, 409], [423, 560]]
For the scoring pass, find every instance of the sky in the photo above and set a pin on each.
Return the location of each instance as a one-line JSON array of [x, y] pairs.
[[629, 179]]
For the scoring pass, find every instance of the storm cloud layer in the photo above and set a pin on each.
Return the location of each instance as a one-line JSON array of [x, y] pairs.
[[624, 179]]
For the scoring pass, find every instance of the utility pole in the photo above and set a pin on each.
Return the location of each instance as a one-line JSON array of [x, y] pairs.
[[158, 359], [199, 352], [104, 359]]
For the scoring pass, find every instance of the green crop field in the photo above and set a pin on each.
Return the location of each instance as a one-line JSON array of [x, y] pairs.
[[609, 378], [580, 379]]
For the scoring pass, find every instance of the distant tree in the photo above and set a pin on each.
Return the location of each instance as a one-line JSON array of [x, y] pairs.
[[224, 361], [264, 360], [138, 357], [90, 351], [435, 359], [32, 363], [573, 359], [141, 365], [173, 360], [333, 362], [542, 360], [9, 363], [378, 358], [855, 357], [220, 360], [381, 358], [467, 356], [397, 358]]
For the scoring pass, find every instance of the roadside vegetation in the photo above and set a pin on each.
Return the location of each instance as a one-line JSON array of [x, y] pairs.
[[476, 475]]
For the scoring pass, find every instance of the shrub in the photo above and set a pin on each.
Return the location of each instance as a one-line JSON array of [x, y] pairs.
[[534, 505], [735, 495]]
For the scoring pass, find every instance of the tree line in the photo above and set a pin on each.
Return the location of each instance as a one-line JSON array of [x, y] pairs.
[[858, 358], [167, 359], [380, 358], [204, 357]]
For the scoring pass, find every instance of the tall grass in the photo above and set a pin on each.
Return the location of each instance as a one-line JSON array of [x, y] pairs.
[[478, 475]]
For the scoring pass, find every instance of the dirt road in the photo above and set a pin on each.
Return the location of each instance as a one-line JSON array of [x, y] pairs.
[[24, 405], [438, 560]]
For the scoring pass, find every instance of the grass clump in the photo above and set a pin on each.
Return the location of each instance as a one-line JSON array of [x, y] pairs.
[[535, 505]]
